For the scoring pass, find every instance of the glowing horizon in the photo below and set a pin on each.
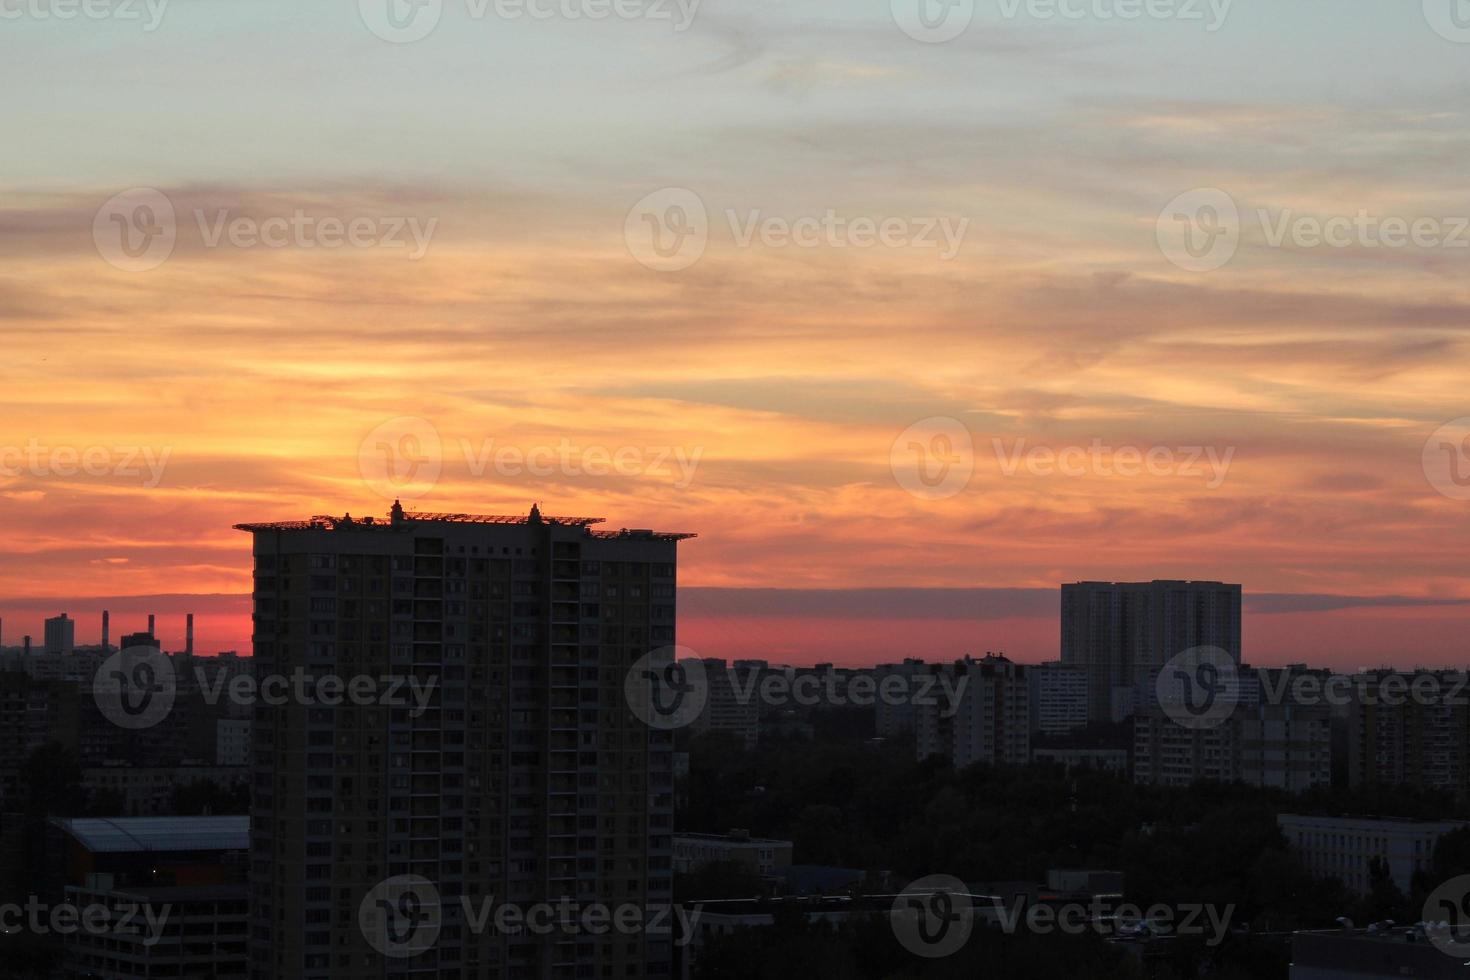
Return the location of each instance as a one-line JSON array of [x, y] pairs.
[[499, 302]]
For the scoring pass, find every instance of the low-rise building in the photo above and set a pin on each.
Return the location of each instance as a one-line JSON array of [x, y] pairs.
[[1377, 954], [183, 878], [760, 855], [1344, 847], [1105, 760]]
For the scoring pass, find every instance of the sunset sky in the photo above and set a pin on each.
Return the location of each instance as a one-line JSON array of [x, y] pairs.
[[755, 396]]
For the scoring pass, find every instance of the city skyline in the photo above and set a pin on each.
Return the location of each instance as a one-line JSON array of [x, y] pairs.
[[867, 627]]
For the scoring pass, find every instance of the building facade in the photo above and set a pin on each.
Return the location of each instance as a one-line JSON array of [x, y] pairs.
[[61, 635], [987, 721], [1116, 631], [1344, 847], [1058, 698], [756, 854], [733, 703], [1409, 727], [524, 778]]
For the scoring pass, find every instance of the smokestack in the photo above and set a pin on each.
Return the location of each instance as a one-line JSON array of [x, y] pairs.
[[106, 629], [189, 635], [150, 626], [28, 646]]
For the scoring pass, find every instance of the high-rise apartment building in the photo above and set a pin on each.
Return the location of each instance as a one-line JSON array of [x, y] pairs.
[[981, 716], [1282, 742], [524, 777], [732, 704], [1116, 631], [61, 634], [1409, 727], [895, 716]]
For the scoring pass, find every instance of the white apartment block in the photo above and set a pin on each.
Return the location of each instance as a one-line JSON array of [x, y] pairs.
[[1342, 847]]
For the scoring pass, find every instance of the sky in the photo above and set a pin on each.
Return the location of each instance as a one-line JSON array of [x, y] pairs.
[[911, 314]]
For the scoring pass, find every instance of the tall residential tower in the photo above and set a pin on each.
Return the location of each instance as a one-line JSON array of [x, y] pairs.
[[1118, 631], [522, 777]]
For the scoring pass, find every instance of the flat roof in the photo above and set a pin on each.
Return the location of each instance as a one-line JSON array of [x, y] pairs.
[[121, 835], [399, 518]]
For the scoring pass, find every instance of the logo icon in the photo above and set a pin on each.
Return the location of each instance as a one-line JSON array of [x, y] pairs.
[[667, 230], [136, 231], [1447, 917], [135, 687], [402, 458], [401, 21], [667, 688], [1447, 459], [1449, 18], [401, 916], [933, 21], [1198, 688], [1199, 231], [933, 917], [934, 458]]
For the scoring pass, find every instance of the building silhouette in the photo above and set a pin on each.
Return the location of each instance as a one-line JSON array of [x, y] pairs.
[[525, 779]]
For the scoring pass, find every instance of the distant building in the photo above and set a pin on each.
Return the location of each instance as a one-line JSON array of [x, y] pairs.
[[61, 635], [757, 854], [1058, 698], [897, 715], [1343, 847], [1106, 760], [1281, 744], [733, 705], [1409, 727], [1285, 746], [1116, 631], [32, 713], [146, 791], [990, 722], [232, 742], [189, 871]]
